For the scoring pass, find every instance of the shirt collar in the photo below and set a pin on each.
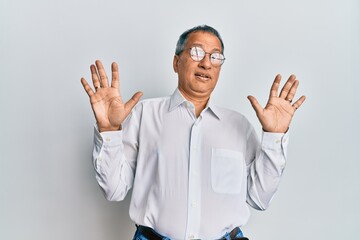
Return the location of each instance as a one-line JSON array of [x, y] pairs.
[[214, 109], [177, 99]]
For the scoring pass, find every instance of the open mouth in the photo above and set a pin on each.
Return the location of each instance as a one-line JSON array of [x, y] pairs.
[[202, 76]]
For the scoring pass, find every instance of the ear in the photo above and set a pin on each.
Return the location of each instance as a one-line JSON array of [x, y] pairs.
[[175, 63]]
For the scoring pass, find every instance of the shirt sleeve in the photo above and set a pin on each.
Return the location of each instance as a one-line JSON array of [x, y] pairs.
[[114, 160], [265, 167]]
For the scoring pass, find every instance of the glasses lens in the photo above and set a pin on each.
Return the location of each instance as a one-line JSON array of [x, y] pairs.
[[197, 53], [217, 59]]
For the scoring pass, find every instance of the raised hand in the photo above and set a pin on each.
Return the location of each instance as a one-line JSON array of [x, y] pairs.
[[108, 107], [279, 110]]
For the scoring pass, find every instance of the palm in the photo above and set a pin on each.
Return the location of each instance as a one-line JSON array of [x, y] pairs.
[[109, 109], [278, 112], [276, 115]]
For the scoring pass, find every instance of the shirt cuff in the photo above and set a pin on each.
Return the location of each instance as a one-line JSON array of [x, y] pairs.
[[275, 140], [110, 138]]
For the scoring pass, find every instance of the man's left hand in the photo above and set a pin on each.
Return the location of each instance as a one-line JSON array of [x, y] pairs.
[[279, 110]]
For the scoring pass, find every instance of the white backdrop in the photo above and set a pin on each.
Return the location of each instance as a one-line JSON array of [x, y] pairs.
[[48, 189]]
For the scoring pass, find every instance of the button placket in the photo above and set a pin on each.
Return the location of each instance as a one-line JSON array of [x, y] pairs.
[[194, 192]]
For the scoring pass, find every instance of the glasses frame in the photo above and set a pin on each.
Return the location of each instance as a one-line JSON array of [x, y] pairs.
[[210, 54]]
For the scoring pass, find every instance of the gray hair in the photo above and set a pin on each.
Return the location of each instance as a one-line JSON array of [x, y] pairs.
[[203, 28]]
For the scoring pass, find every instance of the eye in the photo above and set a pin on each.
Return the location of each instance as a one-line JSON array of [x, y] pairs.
[[217, 59], [197, 53], [217, 56]]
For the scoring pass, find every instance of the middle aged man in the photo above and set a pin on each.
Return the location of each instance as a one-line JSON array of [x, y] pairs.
[[194, 167]]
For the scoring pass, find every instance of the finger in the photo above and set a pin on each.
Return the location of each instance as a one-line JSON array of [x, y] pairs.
[[102, 74], [255, 104], [299, 102], [285, 90], [115, 82], [292, 91], [133, 101], [275, 86], [87, 87], [95, 77]]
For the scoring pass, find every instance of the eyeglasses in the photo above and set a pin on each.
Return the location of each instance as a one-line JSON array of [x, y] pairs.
[[197, 54]]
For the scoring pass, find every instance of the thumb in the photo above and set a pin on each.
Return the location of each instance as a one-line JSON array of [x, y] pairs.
[[255, 104], [133, 101]]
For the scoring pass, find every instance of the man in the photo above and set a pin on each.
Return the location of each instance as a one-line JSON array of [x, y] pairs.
[[194, 167]]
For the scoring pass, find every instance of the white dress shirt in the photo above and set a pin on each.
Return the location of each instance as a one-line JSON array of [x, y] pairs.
[[192, 177]]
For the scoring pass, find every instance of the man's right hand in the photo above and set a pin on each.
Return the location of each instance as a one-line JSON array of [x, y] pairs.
[[108, 107]]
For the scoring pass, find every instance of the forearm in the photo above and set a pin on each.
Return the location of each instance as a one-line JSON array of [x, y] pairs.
[[264, 173], [114, 173]]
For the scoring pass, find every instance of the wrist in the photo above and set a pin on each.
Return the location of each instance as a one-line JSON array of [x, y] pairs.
[[275, 131], [109, 128]]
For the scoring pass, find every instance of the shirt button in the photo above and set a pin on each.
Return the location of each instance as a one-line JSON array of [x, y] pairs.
[[108, 139], [278, 141], [191, 237], [193, 204]]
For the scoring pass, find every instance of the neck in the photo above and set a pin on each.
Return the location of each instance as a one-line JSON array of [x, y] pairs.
[[199, 102]]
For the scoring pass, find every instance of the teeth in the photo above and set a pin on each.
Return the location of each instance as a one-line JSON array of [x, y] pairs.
[[202, 75]]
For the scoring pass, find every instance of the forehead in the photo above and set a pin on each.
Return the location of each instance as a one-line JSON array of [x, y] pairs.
[[208, 41]]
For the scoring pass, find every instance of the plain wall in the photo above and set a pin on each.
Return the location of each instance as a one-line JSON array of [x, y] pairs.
[[47, 184]]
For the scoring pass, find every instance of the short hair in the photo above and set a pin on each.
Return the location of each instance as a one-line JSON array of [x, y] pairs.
[[185, 35]]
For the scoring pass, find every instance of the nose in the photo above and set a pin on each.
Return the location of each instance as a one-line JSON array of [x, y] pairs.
[[205, 62]]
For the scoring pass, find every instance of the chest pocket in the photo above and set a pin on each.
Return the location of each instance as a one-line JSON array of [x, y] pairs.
[[227, 171]]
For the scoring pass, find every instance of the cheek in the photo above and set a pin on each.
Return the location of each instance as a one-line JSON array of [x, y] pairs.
[[183, 68], [186, 71], [216, 74]]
